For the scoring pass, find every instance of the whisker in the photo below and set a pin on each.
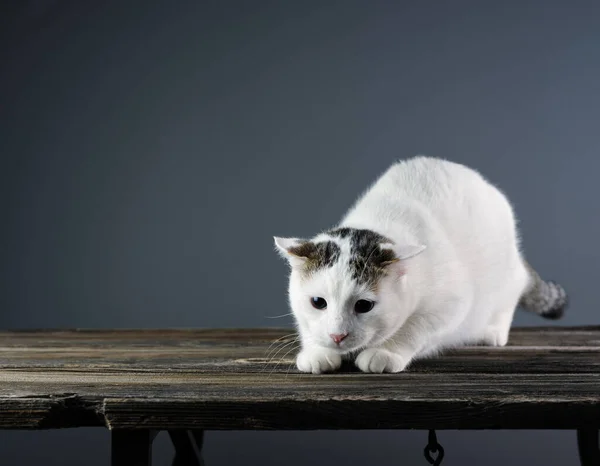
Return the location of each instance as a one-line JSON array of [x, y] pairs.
[[280, 360], [290, 365], [278, 317], [278, 340], [281, 348], [277, 349], [283, 359]]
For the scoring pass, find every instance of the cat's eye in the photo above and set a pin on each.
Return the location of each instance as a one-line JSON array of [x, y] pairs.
[[318, 303], [362, 305]]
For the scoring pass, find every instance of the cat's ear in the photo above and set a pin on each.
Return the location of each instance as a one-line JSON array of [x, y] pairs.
[[403, 251], [406, 251], [292, 250]]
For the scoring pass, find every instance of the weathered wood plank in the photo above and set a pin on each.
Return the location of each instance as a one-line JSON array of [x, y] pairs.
[[519, 336], [299, 401], [475, 360], [259, 387], [353, 414], [222, 379], [530, 350]]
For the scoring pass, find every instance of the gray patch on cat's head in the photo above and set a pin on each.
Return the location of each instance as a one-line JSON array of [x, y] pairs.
[[368, 260], [318, 255]]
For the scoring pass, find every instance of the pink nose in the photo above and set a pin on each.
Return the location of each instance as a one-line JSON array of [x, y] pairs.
[[338, 337]]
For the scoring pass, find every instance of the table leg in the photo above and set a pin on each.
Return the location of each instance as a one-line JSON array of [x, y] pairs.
[[131, 447], [188, 447], [589, 446]]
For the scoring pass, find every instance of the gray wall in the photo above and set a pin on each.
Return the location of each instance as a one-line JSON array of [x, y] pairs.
[[150, 151]]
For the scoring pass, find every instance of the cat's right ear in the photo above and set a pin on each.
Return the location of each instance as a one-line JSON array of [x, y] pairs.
[[290, 249]]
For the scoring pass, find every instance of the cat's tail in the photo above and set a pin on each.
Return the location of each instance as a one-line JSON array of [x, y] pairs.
[[545, 298]]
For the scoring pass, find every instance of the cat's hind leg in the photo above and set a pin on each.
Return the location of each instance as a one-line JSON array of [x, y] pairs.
[[498, 328], [497, 331]]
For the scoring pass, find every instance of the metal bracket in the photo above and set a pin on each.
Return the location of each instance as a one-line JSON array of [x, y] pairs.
[[588, 444]]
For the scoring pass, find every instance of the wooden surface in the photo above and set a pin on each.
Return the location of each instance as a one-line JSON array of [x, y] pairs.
[[235, 379]]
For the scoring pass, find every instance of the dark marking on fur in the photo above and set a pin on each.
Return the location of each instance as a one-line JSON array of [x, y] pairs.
[[546, 298], [368, 261], [319, 255], [343, 232]]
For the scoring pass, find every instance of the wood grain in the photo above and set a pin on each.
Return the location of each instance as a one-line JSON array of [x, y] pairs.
[[234, 379]]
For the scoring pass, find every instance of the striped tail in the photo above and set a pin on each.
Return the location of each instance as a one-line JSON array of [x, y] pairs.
[[545, 298]]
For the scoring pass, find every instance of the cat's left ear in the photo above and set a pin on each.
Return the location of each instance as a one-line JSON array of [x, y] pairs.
[[288, 248], [404, 251]]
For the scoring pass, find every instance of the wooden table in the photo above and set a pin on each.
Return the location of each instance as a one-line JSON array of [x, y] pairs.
[[139, 382]]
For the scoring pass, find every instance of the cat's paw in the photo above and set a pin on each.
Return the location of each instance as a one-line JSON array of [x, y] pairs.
[[378, 360], [495, 336], [318, 360]]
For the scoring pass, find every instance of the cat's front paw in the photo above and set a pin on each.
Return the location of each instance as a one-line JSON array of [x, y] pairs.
[[378, 360], [318, 360]]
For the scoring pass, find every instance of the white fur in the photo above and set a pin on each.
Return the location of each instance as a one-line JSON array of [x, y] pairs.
[[459, 282]]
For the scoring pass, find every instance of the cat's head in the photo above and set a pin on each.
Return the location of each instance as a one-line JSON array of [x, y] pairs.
[[346, 286]]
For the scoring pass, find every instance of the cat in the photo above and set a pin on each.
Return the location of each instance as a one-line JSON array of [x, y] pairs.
[[428, 258]]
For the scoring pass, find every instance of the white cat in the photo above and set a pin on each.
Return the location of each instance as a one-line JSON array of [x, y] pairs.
[[428, 258]]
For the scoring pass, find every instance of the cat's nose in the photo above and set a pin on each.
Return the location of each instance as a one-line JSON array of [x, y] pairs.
[[338, 337]]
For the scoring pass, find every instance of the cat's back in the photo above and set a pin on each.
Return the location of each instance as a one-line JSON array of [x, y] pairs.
[[429, 180], [452, 195]]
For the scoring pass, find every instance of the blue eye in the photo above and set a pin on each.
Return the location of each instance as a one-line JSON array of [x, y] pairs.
[[318, 303], [362, 306]]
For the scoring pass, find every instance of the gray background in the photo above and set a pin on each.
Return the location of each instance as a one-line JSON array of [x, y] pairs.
[[150, 151]]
